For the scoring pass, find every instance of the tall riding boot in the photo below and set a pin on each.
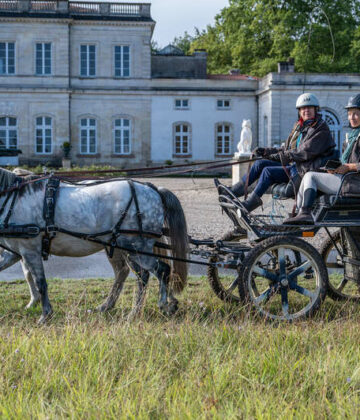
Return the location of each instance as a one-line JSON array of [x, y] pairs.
[[304, 217], [252, 202], [238, 189]]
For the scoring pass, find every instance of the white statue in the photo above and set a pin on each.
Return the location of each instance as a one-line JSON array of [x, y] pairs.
[[244, 145]]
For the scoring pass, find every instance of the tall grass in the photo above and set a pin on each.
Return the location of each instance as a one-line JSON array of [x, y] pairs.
[[210, 360]]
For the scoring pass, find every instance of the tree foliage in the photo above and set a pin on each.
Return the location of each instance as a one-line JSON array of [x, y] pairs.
[[253, 35]]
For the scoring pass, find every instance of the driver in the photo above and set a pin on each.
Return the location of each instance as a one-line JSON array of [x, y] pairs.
[[307, 145], [330, 182]]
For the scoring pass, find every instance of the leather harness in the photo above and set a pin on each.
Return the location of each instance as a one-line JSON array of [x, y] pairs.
[[50, 229]]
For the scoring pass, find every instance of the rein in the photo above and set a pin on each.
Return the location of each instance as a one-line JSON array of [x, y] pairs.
[[20, 185]]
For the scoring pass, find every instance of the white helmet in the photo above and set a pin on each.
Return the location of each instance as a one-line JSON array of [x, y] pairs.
[[307, 99]]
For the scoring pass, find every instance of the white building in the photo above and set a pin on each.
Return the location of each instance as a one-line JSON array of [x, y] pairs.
[[83, 72]]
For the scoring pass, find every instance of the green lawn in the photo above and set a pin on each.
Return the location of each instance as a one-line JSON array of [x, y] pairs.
[[211, 360]]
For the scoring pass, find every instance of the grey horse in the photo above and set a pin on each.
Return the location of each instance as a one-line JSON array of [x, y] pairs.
[[90, 209]]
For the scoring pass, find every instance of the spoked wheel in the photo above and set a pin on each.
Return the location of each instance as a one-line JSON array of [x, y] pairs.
[[285, 278], [226, 282], [340, 287]]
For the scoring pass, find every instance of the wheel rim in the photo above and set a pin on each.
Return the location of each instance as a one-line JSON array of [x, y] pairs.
[[338, 283], [284, 282], [228, 280]]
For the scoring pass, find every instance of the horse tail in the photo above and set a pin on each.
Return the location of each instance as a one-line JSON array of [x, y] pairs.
[[175, 222]]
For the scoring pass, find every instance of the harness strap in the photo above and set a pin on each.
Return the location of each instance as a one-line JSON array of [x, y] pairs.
[[138, 213], [4, 204], [7, 218], [49, 215]]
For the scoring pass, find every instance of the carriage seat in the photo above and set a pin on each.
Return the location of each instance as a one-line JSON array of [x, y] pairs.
[[286, 190], [345, 210], [341, 203], [283, 191]]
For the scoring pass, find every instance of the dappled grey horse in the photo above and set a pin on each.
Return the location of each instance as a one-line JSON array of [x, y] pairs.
[[92, 209]]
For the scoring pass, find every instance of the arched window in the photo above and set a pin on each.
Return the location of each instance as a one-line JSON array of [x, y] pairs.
[[182, 139], [8, 133], [44, 135], [223, 139], [122, 136], [335, 127], [88, 136]]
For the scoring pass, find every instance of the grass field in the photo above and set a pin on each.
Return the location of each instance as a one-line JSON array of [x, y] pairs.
[[211, 360]]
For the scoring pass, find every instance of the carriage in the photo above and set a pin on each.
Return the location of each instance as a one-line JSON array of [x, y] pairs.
[[276, 271]]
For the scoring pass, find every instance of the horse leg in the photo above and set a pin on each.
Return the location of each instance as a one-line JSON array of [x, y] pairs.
[[35, 265], [34, 293], [7, 259], [142, 281], [121, 271], [162, 272]]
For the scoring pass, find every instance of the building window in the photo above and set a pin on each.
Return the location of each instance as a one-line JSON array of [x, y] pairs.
[[7, 58], [8, 133], [43, 135], [181, 103], [88, 136], [223, 139], [182, 132], [122, 136], [223, 104], [122, 61], [43, 59], [87, 60]]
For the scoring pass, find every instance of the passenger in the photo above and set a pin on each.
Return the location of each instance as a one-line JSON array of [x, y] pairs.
[[330, 182], [307, 145]]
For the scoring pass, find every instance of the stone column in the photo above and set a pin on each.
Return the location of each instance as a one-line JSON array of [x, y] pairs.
[[24, 5], [63, 6], [241, 169], [145, 10], [105, 8]]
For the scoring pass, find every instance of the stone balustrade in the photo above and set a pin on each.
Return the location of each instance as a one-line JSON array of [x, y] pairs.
[[76, 7]]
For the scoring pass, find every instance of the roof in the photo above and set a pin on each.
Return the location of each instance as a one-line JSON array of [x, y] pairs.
[[170, 50], [138, 12]]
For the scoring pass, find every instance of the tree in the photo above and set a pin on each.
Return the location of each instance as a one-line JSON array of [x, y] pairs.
[[253, 35], [184, 42]]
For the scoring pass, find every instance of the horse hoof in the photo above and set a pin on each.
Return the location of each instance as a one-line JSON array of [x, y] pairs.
[[169, 309], [45, 318], [32, 304], [103, 308]]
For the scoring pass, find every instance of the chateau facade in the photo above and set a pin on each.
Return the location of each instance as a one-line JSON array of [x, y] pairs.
[[84, 72]]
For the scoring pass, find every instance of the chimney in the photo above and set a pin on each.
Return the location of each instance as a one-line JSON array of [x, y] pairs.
[[286, 66]]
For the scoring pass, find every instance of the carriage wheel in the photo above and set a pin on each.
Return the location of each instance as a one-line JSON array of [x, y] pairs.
[[285, 278], [226, 283], [339, 288]]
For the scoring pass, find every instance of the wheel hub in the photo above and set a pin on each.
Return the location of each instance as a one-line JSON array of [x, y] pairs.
[[284, 282]]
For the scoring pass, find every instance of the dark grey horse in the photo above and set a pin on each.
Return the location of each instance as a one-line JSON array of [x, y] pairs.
[[90, 209]]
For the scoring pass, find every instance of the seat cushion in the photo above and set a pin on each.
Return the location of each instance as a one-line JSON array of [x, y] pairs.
[[283, 191]]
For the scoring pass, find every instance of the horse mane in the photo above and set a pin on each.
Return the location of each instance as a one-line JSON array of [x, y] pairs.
[[8, 179]]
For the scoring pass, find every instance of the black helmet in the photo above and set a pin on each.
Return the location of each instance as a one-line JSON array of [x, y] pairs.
[[354, 102]]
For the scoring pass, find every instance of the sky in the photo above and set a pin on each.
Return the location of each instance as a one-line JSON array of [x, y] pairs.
[[174, 17]]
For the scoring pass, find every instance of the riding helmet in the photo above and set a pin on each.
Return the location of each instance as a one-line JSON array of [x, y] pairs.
[[354, 102], [307, 99]]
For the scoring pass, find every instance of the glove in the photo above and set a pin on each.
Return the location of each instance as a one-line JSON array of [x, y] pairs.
[[275, 157], [260, 151]]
